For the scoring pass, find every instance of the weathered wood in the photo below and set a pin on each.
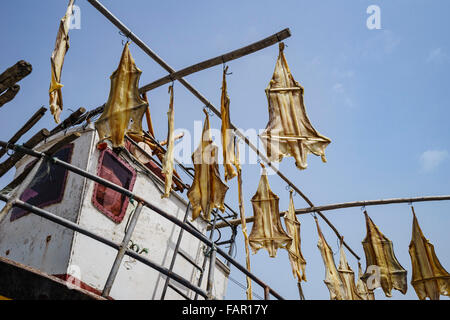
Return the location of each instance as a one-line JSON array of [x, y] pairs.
[[11, 161], [9, 94], [14, 74], [69, 121], [343, 205], [25, 128], [50, 152], [236, 54]]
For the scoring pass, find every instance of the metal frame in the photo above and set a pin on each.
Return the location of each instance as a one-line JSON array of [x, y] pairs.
[[14, 201]]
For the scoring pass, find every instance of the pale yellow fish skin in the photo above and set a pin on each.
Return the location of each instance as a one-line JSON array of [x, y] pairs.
[[429, 278], [361, 287], [333, 279], [124, 109], [57, 61], [228, 143], [207, 190], [379, 252], [167, 169], [292, 224], [267, 231], [347, 276], [289, 131]]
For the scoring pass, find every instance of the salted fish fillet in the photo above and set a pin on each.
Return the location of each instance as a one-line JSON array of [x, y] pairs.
[[124, 109], [379, 252], [429, 278], [267, 231], [169, 155], [228, 142], [207, 191], [298, 263], [289, 131], [333, 279], [57, 61], [361, 287]]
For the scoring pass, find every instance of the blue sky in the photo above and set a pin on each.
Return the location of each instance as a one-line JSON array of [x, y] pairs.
[[380, 95]]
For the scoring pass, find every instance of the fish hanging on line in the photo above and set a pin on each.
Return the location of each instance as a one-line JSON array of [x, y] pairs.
[[168, 160], [429, 278], [124, 109], [57, 60], [267, 231], [228, 141], [207, 191], [289, 131], [347, 275], [292, 224], [361, 287], [379, 252], [333, 279]]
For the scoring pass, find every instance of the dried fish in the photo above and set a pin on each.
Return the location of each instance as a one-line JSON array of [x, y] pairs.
[[289, 131], [124, 109], [267, 231], [347, 276], [429, 278], [57, 61], [169, 156], [333, 279], [298, 263], [207, 190], [379, 252], [228, 143], [361, 287]]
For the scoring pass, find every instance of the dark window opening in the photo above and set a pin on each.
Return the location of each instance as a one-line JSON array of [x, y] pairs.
[[47, 187], [112, 203]]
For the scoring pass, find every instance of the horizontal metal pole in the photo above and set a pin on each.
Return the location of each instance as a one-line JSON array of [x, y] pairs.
[[236, 54], [129, 194], [114, 20], [344, 205], [75, 227]]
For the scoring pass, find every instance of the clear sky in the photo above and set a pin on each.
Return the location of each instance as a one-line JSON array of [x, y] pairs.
[[381, 96]]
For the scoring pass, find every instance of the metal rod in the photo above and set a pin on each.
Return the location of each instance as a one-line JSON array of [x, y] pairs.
[[208, 104], [175, 252], [121, 253], [343, 205], [130, 194], [75, 227], [222, 59], [212, 260]]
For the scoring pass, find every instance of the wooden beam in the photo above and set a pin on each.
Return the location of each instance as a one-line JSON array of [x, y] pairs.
[[50, 152], [11, 161], [25, 128], [69, 121], [14, 74], [9, 94], [236, 54], [343, 205]]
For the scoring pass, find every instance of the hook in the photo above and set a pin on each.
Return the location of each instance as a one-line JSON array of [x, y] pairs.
[[126, 36], [208, 111], [8, 149]]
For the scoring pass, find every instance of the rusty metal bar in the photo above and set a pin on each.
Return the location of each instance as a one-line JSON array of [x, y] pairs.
[[128, 33], [130, 194], [121, 253]]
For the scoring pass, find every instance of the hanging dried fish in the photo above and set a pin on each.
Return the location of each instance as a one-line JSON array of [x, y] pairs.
[[429, 278], [298, 263], [267, 231], [167, 169], [57, 61], [347, 276], [124, 109], [229, 157], [361, 287], [289, 131], [243, 222], [207, 190], [380, 252], [332, 280]]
